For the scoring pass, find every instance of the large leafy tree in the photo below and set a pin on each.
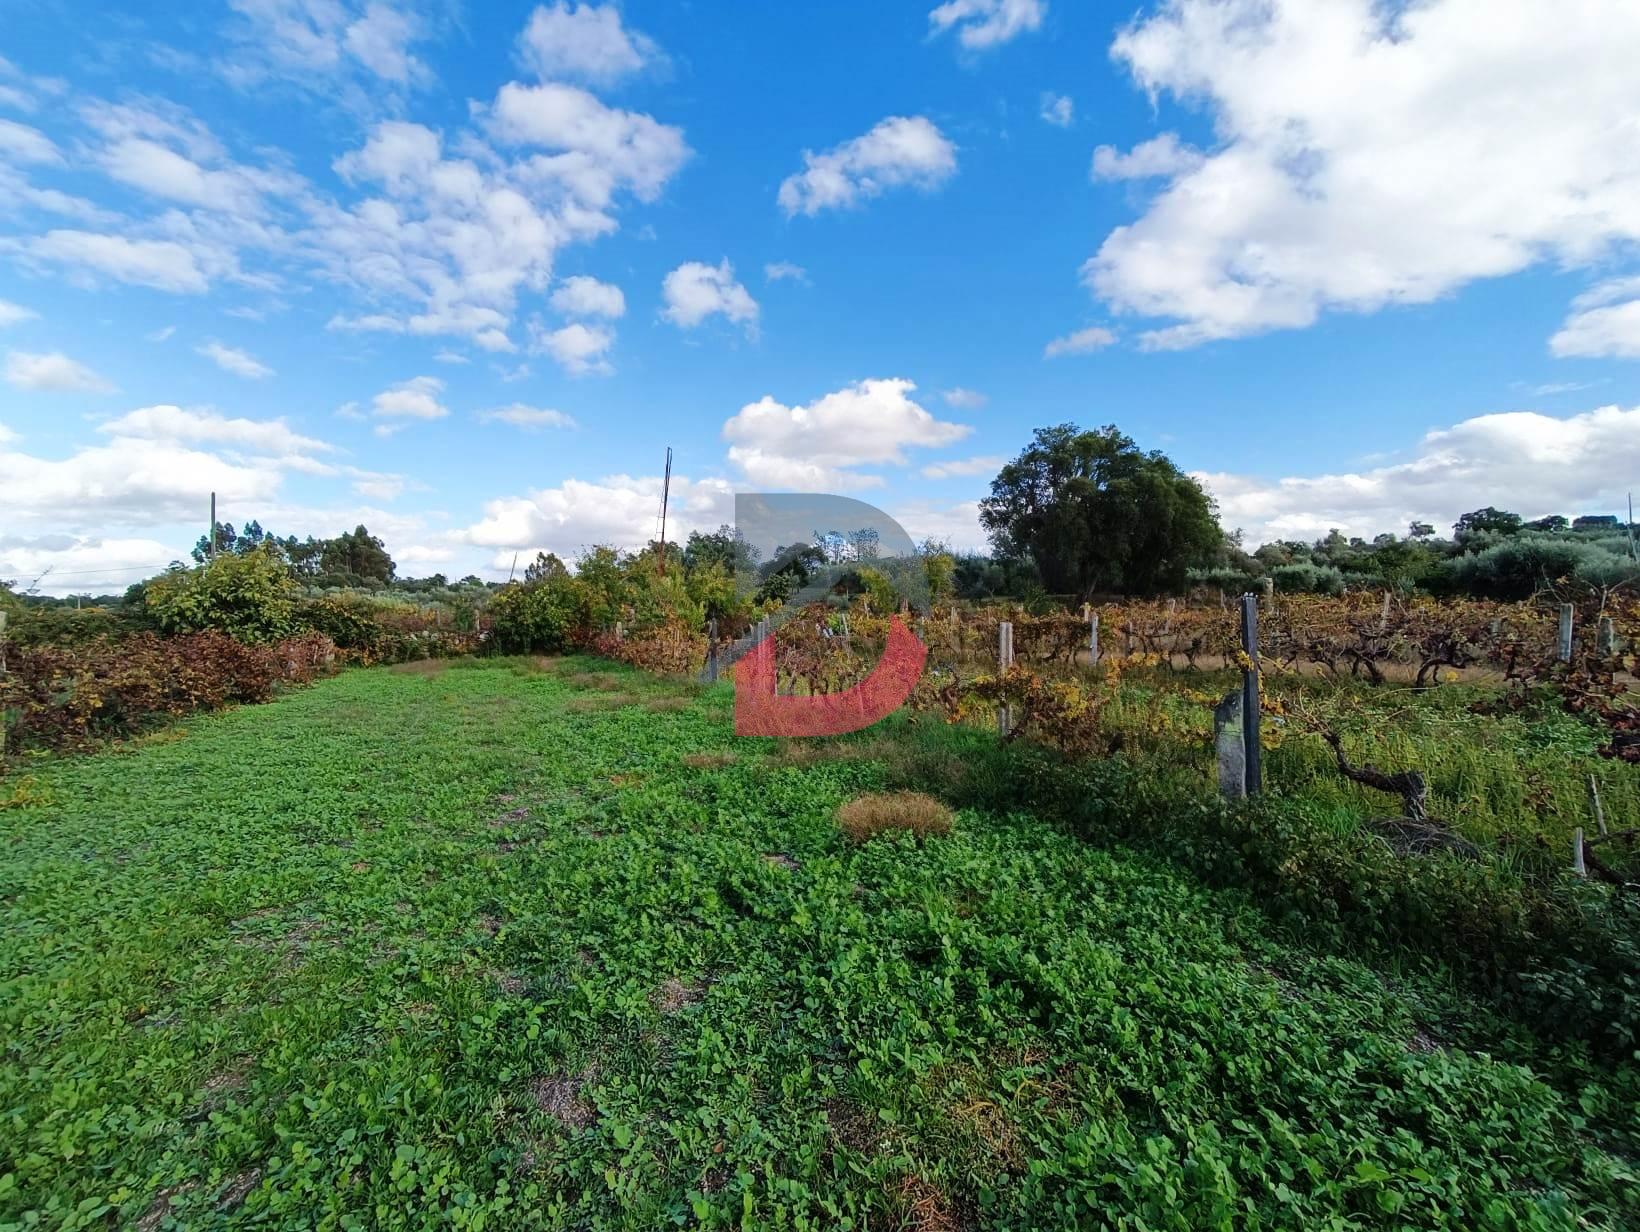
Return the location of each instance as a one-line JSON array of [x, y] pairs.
[[1096, 513], [359, 553]]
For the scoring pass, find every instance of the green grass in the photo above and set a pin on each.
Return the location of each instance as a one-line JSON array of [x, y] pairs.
[[461, 948]]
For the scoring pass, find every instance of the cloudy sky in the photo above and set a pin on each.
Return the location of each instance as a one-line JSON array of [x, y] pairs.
[[463, 272]]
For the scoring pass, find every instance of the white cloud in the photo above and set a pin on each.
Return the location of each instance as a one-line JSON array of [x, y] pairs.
[[128, 482], [416, 398], [54, 371], [982, 24], [1082, 342], [695, 291], [617, 511], [316, 43], [814, 447], [451, 357], [232, 359], [583, 42], [162, 334], [1395, 163], [460, 232], [380, 40], [1580, 464], [581, 350], [581, 296], [529, 417], [901, 151], [1604, 322], [1160, 157], [162, 264], [23, 144], [6, 435], [13, 314], [1059, 110], [957, 526], [986, 464], [775, 271], [964, 399], [601, 148], [174, 424]]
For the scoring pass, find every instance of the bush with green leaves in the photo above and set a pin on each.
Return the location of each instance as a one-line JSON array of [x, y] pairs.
[[248, 596], [535, 617]]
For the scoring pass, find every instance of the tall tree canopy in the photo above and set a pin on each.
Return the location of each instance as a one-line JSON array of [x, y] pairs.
[[1095, 513]]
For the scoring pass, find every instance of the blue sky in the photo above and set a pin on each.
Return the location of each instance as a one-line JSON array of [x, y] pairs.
[[464, 272]]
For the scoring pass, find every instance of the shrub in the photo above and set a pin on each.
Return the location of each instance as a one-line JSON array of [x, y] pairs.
[[57, 697], [879, 812], [535, 617], [1307, 578], [250, 597]]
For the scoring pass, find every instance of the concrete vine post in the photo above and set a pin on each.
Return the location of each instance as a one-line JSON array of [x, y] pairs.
[[1250, 694], [1563, 643], [1005, 660]]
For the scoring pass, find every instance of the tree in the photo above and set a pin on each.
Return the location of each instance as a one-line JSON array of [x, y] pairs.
[[1552, 525], [546, 565], [1095, 512], [1420, 530], [724, 546], [358, 553], [1486, 521]]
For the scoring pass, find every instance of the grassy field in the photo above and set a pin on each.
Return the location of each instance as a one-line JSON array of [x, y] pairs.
[[540, 945]]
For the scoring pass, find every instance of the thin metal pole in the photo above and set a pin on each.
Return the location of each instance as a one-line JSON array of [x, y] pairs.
[[210, 539], [1250, 695]]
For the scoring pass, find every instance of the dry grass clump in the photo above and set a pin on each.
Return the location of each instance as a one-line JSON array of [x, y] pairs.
[[420, 667], [879, 812], [708, 761]]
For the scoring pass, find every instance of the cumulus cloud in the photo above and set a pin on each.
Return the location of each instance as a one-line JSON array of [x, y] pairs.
[[1604, 322], [956, 526], [983, 24], [1082, 342], [600, 148], [617, 511], [174, 424], [1357, 183], [901, 151], [581, 350], [54, 372], [528, 417], [583, 42], [1160, 157], [695, 291], [459, 230], [13, 314], [816, 447], [1058, 110], [417, 398], [1533, 463], [236, 361], [581, 296], [964, 399]]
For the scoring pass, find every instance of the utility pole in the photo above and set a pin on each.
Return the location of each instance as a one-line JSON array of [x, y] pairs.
[[210, 539], [514, 567], [666, 492]]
